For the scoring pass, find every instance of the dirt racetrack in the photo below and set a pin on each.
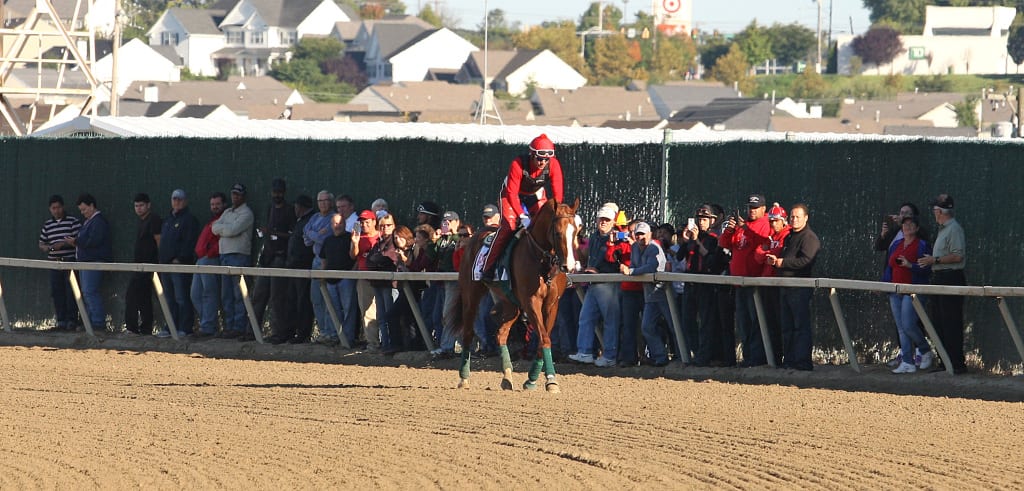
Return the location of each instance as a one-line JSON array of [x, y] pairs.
[[115, 413]]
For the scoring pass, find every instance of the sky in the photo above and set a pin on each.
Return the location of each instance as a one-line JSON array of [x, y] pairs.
[[728, 16]]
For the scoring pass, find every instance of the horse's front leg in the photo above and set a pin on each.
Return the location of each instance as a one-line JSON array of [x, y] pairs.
[[545, 328], [507, 315]]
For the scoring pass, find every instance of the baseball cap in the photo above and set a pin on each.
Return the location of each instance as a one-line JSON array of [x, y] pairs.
[[606, 212], [278, 184], [428, 207], [178, 194], [642, 228], [450, 215], [238, 188], [755, 201], [490, 211], [777, 212], [367, 215], [705, 211], [943, 201]]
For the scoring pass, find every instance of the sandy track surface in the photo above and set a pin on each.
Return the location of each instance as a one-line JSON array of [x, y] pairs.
[[114, 414]]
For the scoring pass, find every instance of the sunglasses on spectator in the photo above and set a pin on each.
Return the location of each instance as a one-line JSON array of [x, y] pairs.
[[544, 153]]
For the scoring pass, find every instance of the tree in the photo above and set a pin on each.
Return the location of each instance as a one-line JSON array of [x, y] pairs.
[[347, 70], [1015, 44], [967, 112], [733, 67], [673, 58], [878, 46], [809, 85], [318, 49], [560, 38], [791, 42], [429, 16], [713, 47], [905, 16], [612, 17], [610, 62], [755, 43], [307, 72]]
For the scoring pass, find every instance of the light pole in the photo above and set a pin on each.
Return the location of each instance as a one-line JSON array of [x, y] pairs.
[[817, 68]]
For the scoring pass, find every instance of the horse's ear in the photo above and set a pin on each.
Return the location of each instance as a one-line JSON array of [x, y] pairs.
[[575, 205]]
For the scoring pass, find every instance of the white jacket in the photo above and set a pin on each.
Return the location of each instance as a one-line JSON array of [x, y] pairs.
[[235, 230]]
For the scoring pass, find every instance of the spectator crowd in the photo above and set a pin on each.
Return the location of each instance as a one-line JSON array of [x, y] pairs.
[[760, 239]]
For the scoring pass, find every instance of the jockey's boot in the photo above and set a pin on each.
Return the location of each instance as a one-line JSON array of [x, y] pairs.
[[501, 238]]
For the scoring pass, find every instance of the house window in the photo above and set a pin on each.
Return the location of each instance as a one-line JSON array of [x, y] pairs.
[[257, 38], [289, 38], [168, 38], [235, 37]]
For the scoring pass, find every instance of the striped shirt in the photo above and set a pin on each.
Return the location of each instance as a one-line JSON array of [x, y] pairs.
[[55, 231]]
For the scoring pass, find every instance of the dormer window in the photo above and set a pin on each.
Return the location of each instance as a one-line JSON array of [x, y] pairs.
[[168, 38], [235, 37]]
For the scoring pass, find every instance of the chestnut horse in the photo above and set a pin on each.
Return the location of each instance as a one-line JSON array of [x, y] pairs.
[[539, 262]]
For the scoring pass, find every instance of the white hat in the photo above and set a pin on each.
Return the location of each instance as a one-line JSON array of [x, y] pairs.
[[606, 212], [642, 228]]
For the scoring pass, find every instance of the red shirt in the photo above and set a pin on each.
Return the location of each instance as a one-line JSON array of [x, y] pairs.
[[771, 246], [625, 253], [365, 244], [909, 251], [742, 241], [513, 183], [208, 244]]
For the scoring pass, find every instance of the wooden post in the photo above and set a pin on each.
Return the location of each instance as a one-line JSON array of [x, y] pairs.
[[677, 326], [428, 340], [86, 323], [257, 329], [342, 338], [837, 309], [928, 326], [762, 321], [158, 288]]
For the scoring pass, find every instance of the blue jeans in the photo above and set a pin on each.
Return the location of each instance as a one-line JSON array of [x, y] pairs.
[[91, 282], [334, 293], [63, 298], [385, 301], [797, 336], [353, 318], [649, 327], [631, 305], [484, 326], [177, 290], [431, 306], [601, 302], [235, 316], [323, 317], [206, 294], [749, 328], [906, 324], [451, 295], [567, 323]]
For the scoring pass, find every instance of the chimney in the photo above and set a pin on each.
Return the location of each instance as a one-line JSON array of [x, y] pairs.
[[151, 94]]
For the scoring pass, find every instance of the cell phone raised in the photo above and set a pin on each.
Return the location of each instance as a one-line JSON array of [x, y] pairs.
[[621, 235]]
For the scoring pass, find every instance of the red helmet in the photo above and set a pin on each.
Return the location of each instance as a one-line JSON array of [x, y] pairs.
[[542, 146], [777, 212]]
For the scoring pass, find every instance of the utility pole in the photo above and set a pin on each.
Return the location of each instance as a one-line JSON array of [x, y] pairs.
[[113, 54], [818, 67]]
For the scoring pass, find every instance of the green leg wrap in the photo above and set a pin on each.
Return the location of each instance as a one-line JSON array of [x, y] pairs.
[[535, 369], [549, 363], [464, 367], [506, 360]]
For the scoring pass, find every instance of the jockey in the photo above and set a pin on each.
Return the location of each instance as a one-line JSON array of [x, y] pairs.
[[523, 193]]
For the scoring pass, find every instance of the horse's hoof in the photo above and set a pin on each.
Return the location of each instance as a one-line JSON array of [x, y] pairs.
[[464, 383], [529, 385], [506, 384], [553, 388]]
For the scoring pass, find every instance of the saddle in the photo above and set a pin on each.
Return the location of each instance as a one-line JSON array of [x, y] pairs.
[[502, 276]]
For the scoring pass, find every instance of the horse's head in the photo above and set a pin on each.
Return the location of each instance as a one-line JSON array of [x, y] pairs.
[[563, 234]]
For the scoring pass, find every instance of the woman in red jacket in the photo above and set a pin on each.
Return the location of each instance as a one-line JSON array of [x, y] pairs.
[[523, 192]]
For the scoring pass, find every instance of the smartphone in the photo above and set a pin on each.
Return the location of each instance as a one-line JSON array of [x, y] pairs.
[[357, 228], [691, 223], [445, 227]]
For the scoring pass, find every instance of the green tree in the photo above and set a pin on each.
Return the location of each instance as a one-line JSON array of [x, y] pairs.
[[560, 38], [713, 47], [318, 49], [610, 62], [791, 42], [905, 16], [755, 43], [967, 112], [428, 15], [809, 85], [732, 68], [673, 57], [308, 70], [1015, 43], [612, 17]]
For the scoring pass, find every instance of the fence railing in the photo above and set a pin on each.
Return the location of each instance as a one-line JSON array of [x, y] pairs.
[[998, 293]]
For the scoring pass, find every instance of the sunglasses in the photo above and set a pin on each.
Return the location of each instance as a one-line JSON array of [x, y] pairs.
[[463, 234], [544, 153]]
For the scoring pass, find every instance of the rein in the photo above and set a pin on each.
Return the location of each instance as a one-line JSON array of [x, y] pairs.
[[547, 256]]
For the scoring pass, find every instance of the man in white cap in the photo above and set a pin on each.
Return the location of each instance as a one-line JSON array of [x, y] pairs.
[[602, 300], [234, 227]]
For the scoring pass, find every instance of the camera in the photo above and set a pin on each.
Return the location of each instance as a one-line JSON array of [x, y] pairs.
[[621, 236]]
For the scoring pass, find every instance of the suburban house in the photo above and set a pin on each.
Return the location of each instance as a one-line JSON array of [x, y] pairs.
[[408, 53], [237, 94], [356, 33], [729, 114], [139, 61], [441, 101], [516, 71], [960, 40], [243, 36], [670, 97], [591, 106]]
